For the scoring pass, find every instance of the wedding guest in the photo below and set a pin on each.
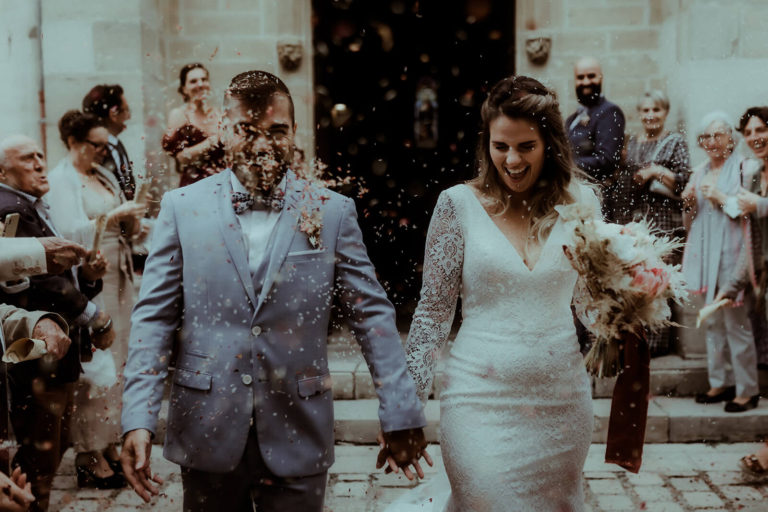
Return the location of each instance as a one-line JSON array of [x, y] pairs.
[[108, 103], [753, 125], [81, 191], [42, 390], [755, 465], [655, 171], [516, 394], [596, 130], [595, 133], [711, 263], [192, 135], [15, 490]]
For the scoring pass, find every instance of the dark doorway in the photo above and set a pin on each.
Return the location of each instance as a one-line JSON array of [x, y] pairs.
[[398, 88]]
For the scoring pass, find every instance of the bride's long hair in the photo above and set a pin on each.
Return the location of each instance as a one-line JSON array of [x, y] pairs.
[[522, 97]]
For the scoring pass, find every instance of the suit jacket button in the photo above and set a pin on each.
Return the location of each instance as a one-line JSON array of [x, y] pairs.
[[247, 379], [255, 330]]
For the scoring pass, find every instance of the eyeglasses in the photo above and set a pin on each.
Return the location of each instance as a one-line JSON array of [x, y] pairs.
[[713, 136], [98, 146]]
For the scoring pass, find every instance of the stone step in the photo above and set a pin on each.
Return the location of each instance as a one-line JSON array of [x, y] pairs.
[[670, 420], [671, 376]]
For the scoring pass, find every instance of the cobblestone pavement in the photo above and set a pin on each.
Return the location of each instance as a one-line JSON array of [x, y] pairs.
[[674, 478]]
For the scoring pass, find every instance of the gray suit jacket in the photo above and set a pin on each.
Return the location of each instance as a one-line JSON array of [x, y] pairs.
[[246, 356]]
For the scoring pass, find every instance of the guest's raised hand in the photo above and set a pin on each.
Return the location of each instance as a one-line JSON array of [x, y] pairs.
[[725, 294], [102, 331], [747, 201], [129, 210], [143, 232], [94, 267], [56, 340], [689, 193], [644, 174], [60, 254], [15, 492], [712, 193], [403, 449], [134, 458]]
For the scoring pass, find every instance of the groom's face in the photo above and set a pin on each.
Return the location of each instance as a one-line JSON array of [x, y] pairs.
[[259, 145]]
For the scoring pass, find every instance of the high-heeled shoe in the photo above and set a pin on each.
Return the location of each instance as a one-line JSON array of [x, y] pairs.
[[87, 478]]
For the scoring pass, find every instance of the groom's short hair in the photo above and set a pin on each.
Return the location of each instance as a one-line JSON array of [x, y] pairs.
[[256, 89]]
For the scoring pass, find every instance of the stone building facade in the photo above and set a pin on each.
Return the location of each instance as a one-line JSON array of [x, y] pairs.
[[141, 44], [706, 54]]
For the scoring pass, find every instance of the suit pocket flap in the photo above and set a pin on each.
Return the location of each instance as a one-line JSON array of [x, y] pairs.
[[310, 252], [192, 379], [311, 386]]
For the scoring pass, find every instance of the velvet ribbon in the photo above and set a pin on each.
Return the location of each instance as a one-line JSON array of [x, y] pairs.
[[629, 406]]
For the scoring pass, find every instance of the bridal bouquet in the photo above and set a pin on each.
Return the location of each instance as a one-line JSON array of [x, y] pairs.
[[626, 282]]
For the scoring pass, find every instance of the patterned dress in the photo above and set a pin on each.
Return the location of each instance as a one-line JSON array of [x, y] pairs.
[[630, 201], [207, 164]]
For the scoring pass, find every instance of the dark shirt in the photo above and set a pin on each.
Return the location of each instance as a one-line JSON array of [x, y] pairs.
[[55, 293], [596, 138]]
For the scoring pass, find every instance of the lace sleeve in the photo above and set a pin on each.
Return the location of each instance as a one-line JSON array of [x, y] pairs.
[[441, 283]]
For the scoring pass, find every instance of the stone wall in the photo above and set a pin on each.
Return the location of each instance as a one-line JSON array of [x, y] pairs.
[[88, 43], [142, 44], [20, 66], [231, 36], [705, 54]]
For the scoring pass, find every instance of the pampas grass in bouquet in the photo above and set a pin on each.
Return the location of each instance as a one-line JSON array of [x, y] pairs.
[[624, 281]]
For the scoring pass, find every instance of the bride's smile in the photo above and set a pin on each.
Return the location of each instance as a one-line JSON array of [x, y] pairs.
[[517, 152]]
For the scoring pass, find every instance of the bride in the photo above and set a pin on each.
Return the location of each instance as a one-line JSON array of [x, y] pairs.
[[515, 407]]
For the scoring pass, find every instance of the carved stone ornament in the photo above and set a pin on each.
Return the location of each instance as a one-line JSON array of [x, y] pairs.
[[538, 49], [290, 55]]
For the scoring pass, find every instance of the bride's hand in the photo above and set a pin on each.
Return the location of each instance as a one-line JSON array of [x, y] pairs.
[[403, 449]]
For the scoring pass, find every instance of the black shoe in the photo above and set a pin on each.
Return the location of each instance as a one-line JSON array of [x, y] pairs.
[[115, 466], [734, 407], [86, 478], [724, 395]]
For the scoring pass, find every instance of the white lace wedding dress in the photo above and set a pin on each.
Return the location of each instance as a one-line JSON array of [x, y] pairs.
[[515, 407]]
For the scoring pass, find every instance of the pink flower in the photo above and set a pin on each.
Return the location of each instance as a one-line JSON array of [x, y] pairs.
[[652, 281]]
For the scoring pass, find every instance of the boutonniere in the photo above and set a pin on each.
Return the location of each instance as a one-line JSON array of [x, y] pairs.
[[311, 218], [311, 224]]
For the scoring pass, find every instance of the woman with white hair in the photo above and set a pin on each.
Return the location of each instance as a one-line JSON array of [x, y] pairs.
[[718, 234], [656, 170]]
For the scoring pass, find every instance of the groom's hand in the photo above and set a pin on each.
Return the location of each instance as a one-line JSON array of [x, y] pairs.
[[402, 449], [134, 458]]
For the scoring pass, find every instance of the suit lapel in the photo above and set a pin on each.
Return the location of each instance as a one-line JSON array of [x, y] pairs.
[[233, 234], [285, 230]]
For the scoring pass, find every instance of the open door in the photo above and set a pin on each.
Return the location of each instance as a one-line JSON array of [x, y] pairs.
[[399, 86]]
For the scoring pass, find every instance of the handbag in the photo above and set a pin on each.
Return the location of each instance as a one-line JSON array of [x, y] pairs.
[[657, 186]]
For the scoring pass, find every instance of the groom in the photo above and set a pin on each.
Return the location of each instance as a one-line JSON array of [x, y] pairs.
[[246, 264]]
